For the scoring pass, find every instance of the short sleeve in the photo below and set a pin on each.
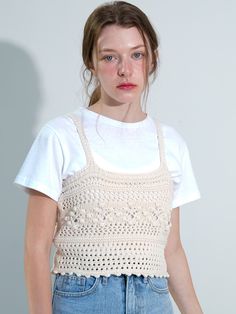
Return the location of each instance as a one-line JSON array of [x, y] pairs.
[[185, 186], [42, 167]]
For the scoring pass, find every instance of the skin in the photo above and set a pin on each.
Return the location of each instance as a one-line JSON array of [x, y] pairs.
[[39, 229], [118, 59], [126, 64]]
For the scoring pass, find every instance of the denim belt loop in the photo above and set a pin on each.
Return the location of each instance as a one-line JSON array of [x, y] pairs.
[[145, 279], [82, 280], [104, 280]]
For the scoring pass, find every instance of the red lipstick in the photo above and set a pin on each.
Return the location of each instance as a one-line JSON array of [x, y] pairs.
[[126, 86]]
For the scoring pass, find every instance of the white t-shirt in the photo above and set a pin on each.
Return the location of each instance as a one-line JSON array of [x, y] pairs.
[[116, 146]]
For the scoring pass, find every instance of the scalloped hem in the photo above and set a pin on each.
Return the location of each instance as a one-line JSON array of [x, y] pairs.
[[54, 272]]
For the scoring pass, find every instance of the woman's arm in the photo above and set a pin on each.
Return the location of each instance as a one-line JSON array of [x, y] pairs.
[[39, 231], [180, 282]]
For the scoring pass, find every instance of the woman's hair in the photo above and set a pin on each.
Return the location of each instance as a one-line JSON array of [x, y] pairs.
[[122, 14]]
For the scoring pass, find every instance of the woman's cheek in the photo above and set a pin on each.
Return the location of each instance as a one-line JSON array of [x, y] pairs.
[[108, 69], [139, 67], [111, 71]]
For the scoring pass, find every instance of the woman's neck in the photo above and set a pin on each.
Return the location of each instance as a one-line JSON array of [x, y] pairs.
[[123, 112]]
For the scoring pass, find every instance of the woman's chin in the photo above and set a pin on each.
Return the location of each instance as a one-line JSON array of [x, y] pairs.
[[127, 99]]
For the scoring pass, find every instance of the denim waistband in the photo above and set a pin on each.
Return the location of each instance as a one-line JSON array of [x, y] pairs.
[[104, 279]]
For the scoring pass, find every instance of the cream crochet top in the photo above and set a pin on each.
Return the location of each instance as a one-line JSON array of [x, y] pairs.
[[113, 223]]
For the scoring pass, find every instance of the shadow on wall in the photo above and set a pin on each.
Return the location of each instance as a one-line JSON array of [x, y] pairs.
[[20, 98]]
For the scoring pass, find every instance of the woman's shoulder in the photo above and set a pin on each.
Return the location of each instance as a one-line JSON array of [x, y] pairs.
[[60, 125], [171, 132], [172, 136]]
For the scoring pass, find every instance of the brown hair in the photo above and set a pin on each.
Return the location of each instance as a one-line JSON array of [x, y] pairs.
[[123, 14]]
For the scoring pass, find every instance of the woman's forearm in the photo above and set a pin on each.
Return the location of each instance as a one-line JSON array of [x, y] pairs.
[[38, 281], [180, 283]]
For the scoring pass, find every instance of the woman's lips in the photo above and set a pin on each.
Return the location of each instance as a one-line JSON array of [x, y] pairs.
[[126, 86]]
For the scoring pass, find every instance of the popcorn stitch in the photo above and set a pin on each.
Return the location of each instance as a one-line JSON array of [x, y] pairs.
[[113, 223]]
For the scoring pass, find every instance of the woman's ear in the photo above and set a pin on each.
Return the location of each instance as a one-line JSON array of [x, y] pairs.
[[156, 53], [92, 71], [92, 64]]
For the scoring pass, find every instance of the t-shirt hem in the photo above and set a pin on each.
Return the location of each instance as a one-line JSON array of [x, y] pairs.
[[180, 202], [24, 183]]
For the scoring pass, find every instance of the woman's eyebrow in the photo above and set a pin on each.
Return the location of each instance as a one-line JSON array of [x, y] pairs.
[[113, 50]]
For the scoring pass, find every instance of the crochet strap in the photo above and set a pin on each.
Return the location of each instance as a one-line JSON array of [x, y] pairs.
[[160, 141], [83, 138]]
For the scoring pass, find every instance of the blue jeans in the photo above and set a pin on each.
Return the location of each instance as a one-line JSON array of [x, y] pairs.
[[123, 294]]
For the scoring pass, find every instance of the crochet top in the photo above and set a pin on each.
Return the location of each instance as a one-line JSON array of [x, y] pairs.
[[113, 223]]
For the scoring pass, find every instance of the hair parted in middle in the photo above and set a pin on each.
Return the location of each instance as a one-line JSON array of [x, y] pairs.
[[122, 14]]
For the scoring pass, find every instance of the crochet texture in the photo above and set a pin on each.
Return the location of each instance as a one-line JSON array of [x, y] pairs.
[[113, 223]]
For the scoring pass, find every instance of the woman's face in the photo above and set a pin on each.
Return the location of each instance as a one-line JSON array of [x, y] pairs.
[[119, 65]]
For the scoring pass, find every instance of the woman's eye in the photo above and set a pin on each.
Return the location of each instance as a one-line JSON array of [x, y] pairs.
[[138, 55], [108, 58]]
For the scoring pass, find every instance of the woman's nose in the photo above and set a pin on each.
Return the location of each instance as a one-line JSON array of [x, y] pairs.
[[125, 68]]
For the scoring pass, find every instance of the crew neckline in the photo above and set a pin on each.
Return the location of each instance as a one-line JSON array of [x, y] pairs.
[[111, 121]]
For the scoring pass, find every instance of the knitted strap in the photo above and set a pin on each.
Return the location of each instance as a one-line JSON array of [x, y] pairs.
[[160, 141], [86, 145], [83, 138]]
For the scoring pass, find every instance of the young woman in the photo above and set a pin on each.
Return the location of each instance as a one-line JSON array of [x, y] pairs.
[[105, 184]]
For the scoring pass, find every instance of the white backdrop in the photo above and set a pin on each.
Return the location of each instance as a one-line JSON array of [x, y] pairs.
[[40, 46]]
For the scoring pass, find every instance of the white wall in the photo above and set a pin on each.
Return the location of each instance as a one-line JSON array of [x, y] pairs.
[[40, 64]]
